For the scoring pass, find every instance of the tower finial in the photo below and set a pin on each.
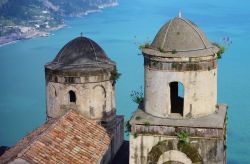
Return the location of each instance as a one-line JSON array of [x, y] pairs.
[[81, 34], [180, 14]]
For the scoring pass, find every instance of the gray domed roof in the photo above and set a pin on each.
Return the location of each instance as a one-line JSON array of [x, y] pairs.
[[81, 54], [80, 51], [181, 35]]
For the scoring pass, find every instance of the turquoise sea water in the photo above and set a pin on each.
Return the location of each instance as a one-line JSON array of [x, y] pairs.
[[22, 86]]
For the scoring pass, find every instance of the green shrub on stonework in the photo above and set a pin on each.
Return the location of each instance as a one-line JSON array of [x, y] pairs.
[[142, 45], [226, 42], [183, 137], [138, 118], [174, 51], [137, 96], [161, 49], [145, 45], [146, 123], [135, 135], [115, 75], [221, 51]]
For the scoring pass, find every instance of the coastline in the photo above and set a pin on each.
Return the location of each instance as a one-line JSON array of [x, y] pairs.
[[35, 33], [13, 38]]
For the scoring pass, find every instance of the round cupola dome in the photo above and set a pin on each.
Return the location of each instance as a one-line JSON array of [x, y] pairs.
[[181, 37], [81, 53], [81, 50]]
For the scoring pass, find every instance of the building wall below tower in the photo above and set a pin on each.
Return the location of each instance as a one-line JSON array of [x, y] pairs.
[[116, 130], [157, 149], [118, 133]]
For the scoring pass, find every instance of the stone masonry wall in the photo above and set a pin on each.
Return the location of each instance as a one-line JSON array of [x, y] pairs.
[[200, 92], [150, 149], [94, 98]]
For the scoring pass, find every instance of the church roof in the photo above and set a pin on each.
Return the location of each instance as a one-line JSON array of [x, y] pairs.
[[182, 36], [71, 138], [80, 53]]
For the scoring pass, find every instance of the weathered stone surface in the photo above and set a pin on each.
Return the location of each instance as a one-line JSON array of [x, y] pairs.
[[200, 92], [94, 100], [215, 120], [180, 66], [174, 127], [147, 149], [102, 74], [171, 131]]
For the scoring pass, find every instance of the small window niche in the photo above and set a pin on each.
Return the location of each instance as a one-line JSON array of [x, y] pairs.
[[177, 98], [72, 97]]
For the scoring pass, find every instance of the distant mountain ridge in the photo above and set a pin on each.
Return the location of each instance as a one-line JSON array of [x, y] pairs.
[[22, 19]]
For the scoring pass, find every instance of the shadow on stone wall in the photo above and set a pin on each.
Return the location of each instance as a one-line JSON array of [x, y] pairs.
[[3, 149], [122, 156]]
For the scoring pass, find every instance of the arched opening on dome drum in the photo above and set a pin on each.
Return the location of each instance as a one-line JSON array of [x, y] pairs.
[[72, 97], [177, 97]]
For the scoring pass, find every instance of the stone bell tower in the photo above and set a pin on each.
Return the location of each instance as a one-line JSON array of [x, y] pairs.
[[181, 121], [82, 78]]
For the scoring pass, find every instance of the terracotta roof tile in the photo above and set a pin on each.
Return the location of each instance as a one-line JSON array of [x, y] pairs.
[[69, 139]]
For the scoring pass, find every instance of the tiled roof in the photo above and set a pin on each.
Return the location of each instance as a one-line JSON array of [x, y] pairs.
[[71, 138]]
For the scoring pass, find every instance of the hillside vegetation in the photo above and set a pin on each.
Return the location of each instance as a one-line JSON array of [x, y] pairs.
[[19, 17]]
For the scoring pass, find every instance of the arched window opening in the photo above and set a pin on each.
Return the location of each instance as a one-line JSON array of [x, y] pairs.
[[72, 97], [177, 98]]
